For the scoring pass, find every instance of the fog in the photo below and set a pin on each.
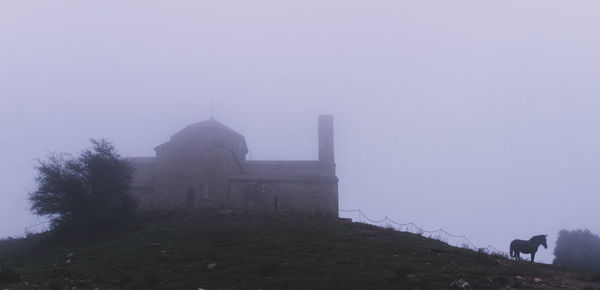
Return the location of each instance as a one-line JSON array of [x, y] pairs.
[[476, 116]]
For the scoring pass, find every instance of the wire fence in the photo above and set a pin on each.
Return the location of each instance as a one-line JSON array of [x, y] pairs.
[[438, 234], [386, 222]]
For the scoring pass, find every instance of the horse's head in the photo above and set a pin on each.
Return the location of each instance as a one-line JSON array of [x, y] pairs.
[[539, 240], [544, 241]]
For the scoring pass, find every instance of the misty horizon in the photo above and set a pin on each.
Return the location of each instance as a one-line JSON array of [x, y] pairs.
[[473, 117]]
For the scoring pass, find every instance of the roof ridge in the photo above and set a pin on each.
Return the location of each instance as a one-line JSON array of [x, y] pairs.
[[208, 123]]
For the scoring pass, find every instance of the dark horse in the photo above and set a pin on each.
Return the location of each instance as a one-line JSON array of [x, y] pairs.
[[527, 247]]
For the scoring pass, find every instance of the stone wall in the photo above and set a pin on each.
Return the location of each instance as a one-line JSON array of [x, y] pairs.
[[194, 174], [286, 195]]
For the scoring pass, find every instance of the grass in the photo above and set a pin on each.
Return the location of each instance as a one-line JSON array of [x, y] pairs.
[[173, 250]]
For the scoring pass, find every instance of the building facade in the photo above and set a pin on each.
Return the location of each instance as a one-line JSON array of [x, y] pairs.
[[204, 165]]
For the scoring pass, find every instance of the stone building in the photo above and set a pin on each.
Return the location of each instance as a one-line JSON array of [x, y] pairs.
[[204, 165]]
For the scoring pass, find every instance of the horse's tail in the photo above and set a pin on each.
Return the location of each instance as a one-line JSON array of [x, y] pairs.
[[512, 250]]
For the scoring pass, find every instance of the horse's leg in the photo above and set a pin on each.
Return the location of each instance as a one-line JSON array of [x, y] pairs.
[[518, 255], [532, 256]]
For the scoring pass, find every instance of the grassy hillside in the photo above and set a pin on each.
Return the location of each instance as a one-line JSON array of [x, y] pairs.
[[231, 250]]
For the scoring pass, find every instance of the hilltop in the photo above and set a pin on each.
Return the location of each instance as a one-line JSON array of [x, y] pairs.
[[233, 250]]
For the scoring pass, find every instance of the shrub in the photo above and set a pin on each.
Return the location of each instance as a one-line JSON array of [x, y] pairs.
[[579, 249], [89, 192]]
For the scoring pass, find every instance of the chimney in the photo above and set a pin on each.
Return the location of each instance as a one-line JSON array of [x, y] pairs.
[[326, 139]]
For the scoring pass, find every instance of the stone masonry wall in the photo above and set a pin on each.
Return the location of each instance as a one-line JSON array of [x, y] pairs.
[[307, 196], [202, 169]]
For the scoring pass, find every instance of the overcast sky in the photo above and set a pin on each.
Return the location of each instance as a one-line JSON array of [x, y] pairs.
[[480, 117]]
